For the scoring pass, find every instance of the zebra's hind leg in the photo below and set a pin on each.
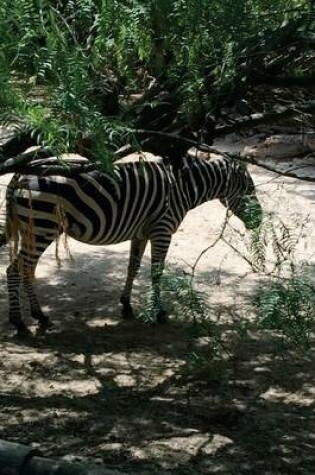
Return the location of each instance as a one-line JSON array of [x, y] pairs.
[[136, 253], [13, 283], [30, 261]]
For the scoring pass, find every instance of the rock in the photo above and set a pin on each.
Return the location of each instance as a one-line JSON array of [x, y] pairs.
[[281, 147]]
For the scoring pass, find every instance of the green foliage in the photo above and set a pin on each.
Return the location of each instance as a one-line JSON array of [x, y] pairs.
[[206, 352], [187, 301], [56, 57], [284, 304], [276, 240], [288, 308], [49, 77]]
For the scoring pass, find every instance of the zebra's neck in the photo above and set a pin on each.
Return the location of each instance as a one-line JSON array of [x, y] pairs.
[[199, 181]]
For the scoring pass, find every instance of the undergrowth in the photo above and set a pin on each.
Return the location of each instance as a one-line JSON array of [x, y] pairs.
[[287, 307], [282, 306]]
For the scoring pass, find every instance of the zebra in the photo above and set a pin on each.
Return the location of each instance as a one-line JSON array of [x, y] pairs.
[[138, 201]]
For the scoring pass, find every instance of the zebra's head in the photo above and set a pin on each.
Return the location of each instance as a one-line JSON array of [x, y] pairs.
[[240, 196]]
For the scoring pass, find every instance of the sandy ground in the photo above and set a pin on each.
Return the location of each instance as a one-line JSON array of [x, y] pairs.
[[120, 392]]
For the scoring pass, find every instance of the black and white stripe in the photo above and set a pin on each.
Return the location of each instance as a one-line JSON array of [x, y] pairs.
[[138, 202]]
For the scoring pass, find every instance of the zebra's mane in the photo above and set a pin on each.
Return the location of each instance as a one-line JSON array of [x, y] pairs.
[[190, 162]]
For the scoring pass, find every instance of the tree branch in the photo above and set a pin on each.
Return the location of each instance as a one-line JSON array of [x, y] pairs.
[[270, 168], [253, 120]]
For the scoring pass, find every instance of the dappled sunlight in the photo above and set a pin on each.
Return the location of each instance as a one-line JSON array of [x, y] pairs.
[[303, 398], [141, 394]]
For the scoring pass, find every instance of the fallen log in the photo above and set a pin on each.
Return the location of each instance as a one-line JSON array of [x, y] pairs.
[[17, 459], [275, 114]]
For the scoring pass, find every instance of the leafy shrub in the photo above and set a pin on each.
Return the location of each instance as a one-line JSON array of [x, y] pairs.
[[288, 308]]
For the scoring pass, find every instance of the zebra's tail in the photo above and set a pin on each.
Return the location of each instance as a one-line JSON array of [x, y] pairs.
[[8, 233]]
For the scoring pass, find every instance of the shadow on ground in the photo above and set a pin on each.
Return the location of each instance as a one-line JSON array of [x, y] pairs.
[[124, 393]]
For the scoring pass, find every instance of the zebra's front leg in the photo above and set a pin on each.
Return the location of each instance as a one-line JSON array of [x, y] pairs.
[[136, 253], [13, 283], [159, 247]]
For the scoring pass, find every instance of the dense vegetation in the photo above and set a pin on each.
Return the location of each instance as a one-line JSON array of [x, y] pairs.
[[83, 75]]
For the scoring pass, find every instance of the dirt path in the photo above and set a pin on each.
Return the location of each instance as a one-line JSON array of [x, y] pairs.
[[120, 392]]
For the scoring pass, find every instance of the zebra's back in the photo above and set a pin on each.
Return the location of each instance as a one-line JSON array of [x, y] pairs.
[[95, 207]]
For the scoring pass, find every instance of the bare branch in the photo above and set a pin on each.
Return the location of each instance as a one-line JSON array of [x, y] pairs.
[[253, 120]]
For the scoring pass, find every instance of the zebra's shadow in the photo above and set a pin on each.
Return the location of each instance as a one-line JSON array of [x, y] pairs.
[[84, 287], [88, 286], [125, 381]]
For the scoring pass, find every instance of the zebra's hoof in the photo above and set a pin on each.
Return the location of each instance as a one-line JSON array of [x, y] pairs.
[[127, 313], [162, 317], [23, 334], [43, 327]]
